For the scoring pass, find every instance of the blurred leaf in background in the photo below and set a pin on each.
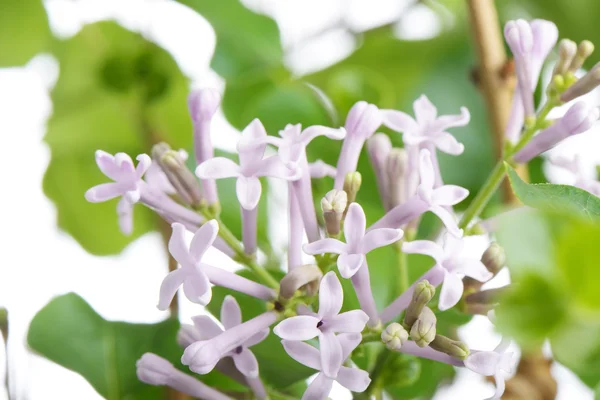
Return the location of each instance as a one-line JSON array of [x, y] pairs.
[[24, 31], [105, 352], [116, 92]]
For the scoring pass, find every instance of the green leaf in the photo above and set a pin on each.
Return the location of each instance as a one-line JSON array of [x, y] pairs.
[[433, 373], [119, 93], [70, 333], [276, 367], [24, 31], [555, 198], [401, 371], [246, 41]]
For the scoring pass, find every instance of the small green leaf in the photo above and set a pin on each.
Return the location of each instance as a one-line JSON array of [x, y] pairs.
[[401, 371], [432, 374], [24, 31], [555, 198], [70, 333]]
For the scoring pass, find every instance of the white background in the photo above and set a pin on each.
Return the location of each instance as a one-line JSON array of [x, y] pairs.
[[39, 262]]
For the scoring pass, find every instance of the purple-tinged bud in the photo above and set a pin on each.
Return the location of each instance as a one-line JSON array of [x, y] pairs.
[[585, 49], [181, 178], [302, 276], [422, 295], [424, 329], [395, 168], [578, 119], [494, 258], [394, 336], [453, 348], [203, 105], [187, 334], [519, 36], [333, 206], [352, 185], [584, 85], [484, 301], [378, 148], [567, 49]]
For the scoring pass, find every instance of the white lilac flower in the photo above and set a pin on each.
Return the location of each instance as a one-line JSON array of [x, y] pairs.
[[325, 324], [575, 167], [353, 379], [497, 363]]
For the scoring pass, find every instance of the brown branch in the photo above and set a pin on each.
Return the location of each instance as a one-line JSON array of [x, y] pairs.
[[494, 83]]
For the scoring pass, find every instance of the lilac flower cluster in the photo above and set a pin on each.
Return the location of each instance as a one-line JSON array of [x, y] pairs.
[[410, 182]]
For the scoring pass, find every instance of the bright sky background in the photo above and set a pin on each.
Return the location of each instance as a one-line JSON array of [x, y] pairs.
[[39, 261]]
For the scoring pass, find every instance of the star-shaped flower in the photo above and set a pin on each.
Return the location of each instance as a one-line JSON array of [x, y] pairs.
[[497, 363], [325, 324], [454, 265], [251, 148], [126, 177], [353, 379], [196, 285], [427, 127], [358, 243], [231, 316]]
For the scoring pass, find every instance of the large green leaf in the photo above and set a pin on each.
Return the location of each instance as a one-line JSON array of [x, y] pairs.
[[70, 333], [555, 198], [116, 92], [24, 31]]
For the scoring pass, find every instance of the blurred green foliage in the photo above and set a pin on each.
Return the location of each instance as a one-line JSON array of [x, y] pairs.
[[118, 91]]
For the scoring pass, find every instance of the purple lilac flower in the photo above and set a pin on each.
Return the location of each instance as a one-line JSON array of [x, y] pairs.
[[325, 324], [575, 167], [519, 37], [358, 242], [157, 371], [202, 105], [320, 169], [497, 363], [353, 379], [451, 265], [202, 356], [362, 121]]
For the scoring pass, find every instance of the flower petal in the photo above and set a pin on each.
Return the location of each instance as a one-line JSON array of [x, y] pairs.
[[349, 322], [178, 247], [425, 111], [125, 165], [275, 168], [246, 363], [483, 362], [348, 264], [203, 239], [452, 121], [331, 354], [301, 327], [169, 287], [447, 219], [399, 121], [196, 287], [353, 379], [319, 388], [476, 270], [448, 144], [331, 296], [380, 237], [500, 387], [302, 352], [251, 147], [104, 192], [206, 327], [328, 245], [217, 168], [257, 338], [106, 163], [320, 169], [349, 341], [449, 195], [248, 192], [355, 225], [426, 247], [319, 130], [231, 314], [144, 162], [452, 290]]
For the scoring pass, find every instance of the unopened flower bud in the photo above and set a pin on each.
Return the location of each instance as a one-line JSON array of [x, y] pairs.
[[182, 179], [154, 370], [394, 336], [519, 37], [362, 120], [578, 119], [484, 301], [586, 84], [396, 164], [424, 292], [203, 103], [378, 148], [453, 348], [352, 185], [333, 206], [585, 49], [494, 258], [423, 330], [297, 278], [567, 49]]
